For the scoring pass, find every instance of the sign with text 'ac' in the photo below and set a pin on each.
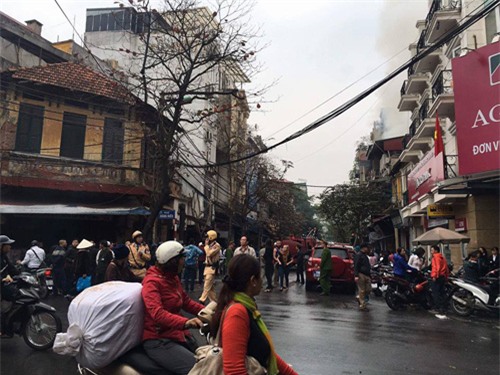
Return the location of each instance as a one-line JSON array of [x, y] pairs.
[[476, 85]]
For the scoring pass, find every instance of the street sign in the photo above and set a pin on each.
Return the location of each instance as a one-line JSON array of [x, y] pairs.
[[166, 214]]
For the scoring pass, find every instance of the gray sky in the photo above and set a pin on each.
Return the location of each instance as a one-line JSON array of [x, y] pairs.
[[317, 47]]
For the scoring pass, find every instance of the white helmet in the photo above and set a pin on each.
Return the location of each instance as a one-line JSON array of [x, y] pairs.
[[168, 250]]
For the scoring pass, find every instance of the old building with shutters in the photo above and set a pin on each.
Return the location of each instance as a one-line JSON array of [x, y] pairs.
[[72, 152]]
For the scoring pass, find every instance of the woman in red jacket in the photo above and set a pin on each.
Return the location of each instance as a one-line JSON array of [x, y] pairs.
[[243, 329], [165, 329]]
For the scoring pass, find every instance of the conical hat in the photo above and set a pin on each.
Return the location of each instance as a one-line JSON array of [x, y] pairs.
[[84, 244]]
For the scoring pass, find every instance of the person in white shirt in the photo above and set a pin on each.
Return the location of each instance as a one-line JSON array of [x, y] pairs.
[[34, 257], [244, 248], [417, 259]]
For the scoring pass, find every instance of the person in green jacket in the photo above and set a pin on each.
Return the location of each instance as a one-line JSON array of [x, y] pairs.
[[325, 269], [229, 255]]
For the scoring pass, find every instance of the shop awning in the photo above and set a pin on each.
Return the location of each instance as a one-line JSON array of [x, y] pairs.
[[62, 209]]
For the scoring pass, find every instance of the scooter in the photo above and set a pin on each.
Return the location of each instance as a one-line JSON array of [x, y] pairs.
[[469, 296], [379, 273], [38, 323], [136, 361]]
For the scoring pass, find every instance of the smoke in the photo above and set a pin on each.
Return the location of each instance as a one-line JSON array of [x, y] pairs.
[[397, 31]]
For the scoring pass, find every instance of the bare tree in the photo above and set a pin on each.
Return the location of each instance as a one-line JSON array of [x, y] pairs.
[[190, 56]]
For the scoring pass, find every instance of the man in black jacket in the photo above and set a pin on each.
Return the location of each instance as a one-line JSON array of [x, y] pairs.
[[362, 273]]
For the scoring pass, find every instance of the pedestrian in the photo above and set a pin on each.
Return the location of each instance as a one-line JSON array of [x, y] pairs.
[[69, 263], [212, 251], [58, 261], [439, 275], [299, 261], [471, 268], [242, 329], [34, 257], [166, 330], [277, 249], [325, 269], [401, 267], [284, 260], [228, 255], [118, 269], [362, 276], [191, 265], [104, 258], [417, 258], [83, 262], [245, 248], [493, 260], [269, 265], [201, 263], [483, 261], [139, 255]]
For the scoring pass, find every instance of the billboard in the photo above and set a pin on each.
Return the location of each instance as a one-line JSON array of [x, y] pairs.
[[425, 175], [476, 85]]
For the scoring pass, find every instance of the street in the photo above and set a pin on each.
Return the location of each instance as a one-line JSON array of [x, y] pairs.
[[327, 335]]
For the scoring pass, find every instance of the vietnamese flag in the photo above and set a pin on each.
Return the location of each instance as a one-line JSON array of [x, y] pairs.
[[438, 138]]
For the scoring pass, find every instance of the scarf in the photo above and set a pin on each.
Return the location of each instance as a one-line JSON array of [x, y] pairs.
[[249, 303]]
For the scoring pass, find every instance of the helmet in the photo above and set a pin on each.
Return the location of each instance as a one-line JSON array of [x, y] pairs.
[[168, 250], [137, 233], [4, 240], [212, 235]]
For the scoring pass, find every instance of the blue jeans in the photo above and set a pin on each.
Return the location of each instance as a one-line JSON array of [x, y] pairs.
[[283, 272], [189, 276]]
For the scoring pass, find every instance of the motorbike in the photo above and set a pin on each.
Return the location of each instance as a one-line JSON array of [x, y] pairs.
[[401, 292], [37, 322], [136, 361], [40, 275], [379, 274], [468, 296]]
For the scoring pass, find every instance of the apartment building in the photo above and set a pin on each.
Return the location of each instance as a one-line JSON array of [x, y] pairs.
[[432, 188]]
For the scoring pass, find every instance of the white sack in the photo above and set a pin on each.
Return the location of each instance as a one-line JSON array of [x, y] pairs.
[[105, 321]]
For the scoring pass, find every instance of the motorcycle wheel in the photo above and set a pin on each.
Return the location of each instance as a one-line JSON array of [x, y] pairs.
[[39, 332], [377, 292], [392, 300], [459, 308]]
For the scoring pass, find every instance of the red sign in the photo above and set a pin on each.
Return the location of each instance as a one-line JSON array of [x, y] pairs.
[[425, 175], [461, 224], [476, 84]]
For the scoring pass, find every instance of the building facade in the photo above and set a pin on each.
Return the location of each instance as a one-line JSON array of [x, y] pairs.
[[430, 186]]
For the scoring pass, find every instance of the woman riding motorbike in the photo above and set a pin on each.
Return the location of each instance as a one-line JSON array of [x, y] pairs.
[[166, 335]]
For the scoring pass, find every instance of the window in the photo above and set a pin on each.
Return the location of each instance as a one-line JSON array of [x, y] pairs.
[[73, 135], [29, 128], [112, 144], [341, 253], [492, 21]]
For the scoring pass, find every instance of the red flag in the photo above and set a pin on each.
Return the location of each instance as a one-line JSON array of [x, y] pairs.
[[438, 138]]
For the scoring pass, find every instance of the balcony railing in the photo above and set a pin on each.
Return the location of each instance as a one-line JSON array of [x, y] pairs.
[[443, 84], [403, 87], [442, 5], [406, 201], [411, 70], [406, 140], [421, 42], [423, 111], [413, 128]]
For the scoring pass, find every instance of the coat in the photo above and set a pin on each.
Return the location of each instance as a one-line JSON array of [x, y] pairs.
[[164, 299], [326, 260], [439, 266], [213, 255]]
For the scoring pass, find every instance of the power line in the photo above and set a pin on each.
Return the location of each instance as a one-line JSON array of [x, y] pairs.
[[358, 98]]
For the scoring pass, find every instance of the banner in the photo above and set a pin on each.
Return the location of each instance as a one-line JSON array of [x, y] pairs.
[[425, 175], [476, 85]]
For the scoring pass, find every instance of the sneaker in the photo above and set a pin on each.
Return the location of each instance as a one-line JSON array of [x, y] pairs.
[[364, 309], [267, 291], [441, 316], [433, 312]]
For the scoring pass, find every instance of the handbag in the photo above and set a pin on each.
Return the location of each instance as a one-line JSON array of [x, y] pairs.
[[209, 360], [83, 283]]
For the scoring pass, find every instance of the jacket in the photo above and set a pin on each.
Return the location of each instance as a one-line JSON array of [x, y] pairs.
[[439, 266], [192, 254], [244, 338], [326, 260], [472, 272], [114, 272], [34, 257], [58, 257], [164, 299], [248, 250], [212, 252], [400, 266], [362, 265]]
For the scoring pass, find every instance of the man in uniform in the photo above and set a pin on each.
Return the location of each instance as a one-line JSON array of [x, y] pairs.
[[212, 251], [139, 255], [325, 269]]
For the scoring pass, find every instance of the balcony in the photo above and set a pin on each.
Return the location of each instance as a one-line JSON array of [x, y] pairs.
[[417, 82], [442, 93], [429, 63], [408, 101], [443, 16]]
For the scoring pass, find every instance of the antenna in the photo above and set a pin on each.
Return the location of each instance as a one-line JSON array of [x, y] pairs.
[[74, 23]]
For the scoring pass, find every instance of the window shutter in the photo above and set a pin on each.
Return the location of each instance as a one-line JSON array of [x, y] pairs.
[[73, 135], [29, 128]]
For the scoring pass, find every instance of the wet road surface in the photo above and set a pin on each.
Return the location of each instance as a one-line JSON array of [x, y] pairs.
[[327, 335]]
